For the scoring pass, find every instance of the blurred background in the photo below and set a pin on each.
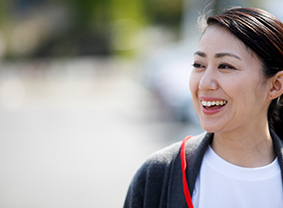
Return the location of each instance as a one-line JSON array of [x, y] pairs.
[[89, 89]]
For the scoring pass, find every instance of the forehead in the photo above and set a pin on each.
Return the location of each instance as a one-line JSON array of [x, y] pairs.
[[217, 39]]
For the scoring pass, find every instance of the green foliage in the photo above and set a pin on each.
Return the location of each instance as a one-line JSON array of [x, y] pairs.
[[106, 25], [3, 11], [166, 12]]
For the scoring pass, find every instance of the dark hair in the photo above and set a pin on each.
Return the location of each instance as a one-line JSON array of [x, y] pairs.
[[262, 32]]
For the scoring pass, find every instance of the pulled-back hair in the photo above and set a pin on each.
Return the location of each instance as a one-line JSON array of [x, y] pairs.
[[262, 32]]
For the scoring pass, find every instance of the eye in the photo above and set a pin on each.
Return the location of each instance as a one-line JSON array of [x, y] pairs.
[[197, 65], [225, 66]]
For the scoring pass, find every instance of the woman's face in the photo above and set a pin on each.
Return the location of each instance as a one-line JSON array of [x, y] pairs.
[[228, 89]]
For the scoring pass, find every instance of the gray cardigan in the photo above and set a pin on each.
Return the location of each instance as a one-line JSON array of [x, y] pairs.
[[158, 183]]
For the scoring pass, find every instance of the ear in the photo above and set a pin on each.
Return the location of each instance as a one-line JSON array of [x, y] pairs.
[[277, 85]]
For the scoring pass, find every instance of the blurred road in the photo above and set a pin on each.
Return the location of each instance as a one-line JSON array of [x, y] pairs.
[[73, 132]]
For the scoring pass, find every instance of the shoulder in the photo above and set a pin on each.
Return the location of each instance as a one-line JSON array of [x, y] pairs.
[[148, 183], [164, 158], [153, 177], [155, 166]]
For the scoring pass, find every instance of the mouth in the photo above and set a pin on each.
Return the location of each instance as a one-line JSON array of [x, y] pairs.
[[213, 105]]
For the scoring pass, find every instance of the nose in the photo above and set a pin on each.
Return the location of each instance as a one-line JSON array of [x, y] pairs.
[[208, 80]]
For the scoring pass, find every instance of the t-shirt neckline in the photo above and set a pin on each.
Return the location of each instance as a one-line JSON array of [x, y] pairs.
[[241, 172]]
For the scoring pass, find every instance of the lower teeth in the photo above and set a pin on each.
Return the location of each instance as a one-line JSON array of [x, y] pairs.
[[213, 107]]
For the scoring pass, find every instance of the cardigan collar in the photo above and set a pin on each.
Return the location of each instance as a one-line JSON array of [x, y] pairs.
[[278, 148]]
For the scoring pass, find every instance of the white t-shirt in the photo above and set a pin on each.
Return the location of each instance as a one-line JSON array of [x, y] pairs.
[[221, 184]]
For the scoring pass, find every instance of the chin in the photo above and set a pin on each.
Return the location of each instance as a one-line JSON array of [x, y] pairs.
[[210, 127], [210, 130]]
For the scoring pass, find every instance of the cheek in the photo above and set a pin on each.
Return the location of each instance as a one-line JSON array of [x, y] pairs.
[[242, 91], [193, 83]]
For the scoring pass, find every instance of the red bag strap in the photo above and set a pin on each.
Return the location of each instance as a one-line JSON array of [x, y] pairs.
[[184, 166]]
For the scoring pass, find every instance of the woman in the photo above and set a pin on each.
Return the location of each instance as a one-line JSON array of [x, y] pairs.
[[236, 85]]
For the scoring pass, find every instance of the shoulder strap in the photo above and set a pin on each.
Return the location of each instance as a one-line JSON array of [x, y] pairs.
[[184, 166]]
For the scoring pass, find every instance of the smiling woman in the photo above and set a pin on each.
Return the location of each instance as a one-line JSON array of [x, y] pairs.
[[226, 71], [236, 87]]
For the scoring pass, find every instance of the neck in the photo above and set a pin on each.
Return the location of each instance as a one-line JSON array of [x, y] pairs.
[[246, 148]]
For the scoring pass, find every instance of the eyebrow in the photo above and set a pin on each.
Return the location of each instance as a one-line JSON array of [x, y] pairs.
[[218, 55]]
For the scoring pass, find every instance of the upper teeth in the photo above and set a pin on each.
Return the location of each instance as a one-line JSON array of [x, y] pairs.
[[210, 103]]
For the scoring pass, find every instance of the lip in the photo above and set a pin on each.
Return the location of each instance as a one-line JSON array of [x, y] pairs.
[[210, 111]]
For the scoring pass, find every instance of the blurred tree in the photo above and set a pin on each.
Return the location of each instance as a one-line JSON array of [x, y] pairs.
[[83, 10], [165, 12], [128, 18], [101, 27], [98, 27], [93, 24], [3, 11], [87, 34]]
